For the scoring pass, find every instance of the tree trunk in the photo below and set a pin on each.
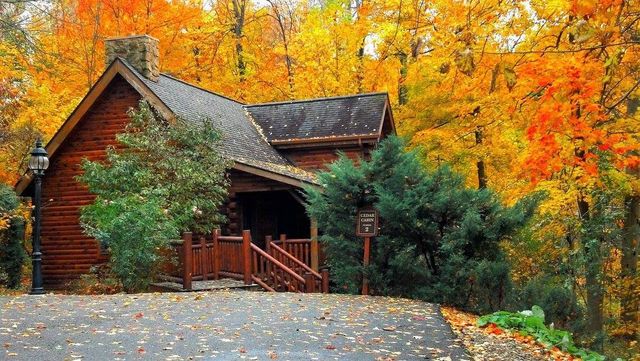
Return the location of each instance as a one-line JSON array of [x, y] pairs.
[[239, 7], [629, 303], [482, 175], [284, 28], [630, 298], [403, 92], [595, 294], [360, 72]]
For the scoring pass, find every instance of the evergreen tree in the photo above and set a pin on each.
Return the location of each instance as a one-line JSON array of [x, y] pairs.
[[439, 240]]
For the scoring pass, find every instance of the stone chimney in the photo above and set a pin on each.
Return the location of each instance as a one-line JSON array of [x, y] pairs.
[[140, 51]]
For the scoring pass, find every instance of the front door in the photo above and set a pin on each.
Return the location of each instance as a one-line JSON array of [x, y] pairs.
[[273, 213]]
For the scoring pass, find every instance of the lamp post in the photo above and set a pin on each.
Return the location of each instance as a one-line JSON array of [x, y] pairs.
[[38, 163]]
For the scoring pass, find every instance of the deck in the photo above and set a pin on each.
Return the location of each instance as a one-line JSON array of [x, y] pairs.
[[285, 265]]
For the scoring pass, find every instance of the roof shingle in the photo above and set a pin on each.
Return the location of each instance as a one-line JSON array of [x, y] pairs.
[[242, 140], [355, 115]]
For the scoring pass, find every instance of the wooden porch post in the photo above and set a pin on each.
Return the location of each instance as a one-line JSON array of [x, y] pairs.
[[187, 260], [325, 280], [309, 283], [267, 241], [314, 245], [216, 255], [246, 256], [204, 258], [283, 238]]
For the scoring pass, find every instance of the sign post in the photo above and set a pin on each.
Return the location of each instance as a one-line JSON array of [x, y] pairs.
[[367, 227]]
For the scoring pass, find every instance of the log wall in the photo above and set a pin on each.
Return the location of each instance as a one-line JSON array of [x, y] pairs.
[[313, 159], [67, 251]]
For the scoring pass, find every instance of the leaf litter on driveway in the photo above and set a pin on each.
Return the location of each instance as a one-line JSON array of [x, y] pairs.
[[225, 325]]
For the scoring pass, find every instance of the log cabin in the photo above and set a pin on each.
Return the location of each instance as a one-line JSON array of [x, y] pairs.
[[275, 149]]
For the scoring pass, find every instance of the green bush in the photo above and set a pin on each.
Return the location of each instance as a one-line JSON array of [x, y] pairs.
[[439, 240], [134, 230], [532, 323], [493, 285], [12, 253], [558, 302], [165, 179]]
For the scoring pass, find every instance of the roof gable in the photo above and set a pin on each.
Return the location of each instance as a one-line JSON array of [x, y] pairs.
[[248, 131], [242, 141], [324, 118]]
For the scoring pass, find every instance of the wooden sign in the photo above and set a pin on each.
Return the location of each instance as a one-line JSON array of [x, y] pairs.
[[367, 222]]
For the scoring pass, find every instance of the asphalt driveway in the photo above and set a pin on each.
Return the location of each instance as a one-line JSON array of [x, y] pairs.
[[223, 325]]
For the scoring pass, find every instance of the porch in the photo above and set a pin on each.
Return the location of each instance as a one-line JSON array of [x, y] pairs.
[[285, 265]]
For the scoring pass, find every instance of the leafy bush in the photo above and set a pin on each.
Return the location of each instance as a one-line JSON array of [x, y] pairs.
[[135, 229], [165, 178], [531, 323], [558, 302], [438, 239], [12, 253]]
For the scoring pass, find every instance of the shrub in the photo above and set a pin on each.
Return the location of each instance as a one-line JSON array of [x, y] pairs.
[[134, 229], [166, 178], [558, 302], [532, 323], [493, 285], [12, 253], [438, 238]]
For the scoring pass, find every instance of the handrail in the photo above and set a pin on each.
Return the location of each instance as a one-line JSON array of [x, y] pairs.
[[294, 240], [230, 238], [279, 264], [262, 284], [296, 261]]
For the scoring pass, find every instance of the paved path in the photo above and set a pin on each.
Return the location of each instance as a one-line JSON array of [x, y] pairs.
[[223, 325]]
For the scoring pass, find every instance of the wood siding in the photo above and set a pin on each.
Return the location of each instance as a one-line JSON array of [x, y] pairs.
[[67, 251], [313, 159]]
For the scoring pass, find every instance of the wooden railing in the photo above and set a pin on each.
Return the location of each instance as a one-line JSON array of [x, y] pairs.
[[272, 274], [237, 257], [229, 250], [302, 249], [314, 280]]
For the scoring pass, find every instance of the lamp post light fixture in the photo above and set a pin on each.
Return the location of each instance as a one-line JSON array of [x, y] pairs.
[[38, 163]]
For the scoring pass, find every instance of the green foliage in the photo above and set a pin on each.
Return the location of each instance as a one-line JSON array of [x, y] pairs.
[[438, 239], [558, 302], [164, 178], [12, 253], [532, 322]]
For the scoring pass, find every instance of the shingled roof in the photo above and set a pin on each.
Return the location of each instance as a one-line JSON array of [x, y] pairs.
[[242, 140], [354, 115], [249, 131]]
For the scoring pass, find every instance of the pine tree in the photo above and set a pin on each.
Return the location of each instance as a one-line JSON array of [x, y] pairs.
[[439, 240]]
